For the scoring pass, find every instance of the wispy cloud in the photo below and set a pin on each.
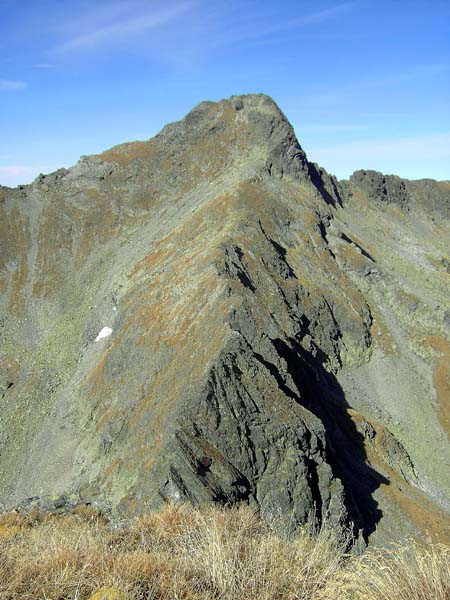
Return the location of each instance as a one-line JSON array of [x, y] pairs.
[[7, 85], [254, 33], [333, 94], [321, 16], [122, 28]]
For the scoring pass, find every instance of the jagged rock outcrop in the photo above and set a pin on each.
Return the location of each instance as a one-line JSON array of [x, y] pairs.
[[267, 334], [426, 194]]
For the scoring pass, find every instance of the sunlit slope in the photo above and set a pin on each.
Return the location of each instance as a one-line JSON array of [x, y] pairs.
[[274, 337]]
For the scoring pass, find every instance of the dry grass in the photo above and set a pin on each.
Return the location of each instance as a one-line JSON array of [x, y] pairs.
[[411, 572], [210, 554]]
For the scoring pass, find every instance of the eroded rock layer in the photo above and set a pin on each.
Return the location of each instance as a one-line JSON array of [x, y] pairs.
[[207, 316]]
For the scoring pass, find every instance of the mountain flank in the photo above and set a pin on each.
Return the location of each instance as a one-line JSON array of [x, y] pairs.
[[207, 316]]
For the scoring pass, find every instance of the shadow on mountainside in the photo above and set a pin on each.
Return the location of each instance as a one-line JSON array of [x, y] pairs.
[[316, 175], [321, 394]]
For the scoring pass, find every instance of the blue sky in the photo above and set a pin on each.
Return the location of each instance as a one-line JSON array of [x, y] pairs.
[[365, 83]]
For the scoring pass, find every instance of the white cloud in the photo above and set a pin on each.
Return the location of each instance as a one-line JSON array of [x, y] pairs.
[[323, 15], [254, 33], [7, 85], [121, 29], [329, 96]]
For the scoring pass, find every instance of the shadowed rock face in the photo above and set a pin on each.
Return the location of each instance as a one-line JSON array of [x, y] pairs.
[[268, 334]]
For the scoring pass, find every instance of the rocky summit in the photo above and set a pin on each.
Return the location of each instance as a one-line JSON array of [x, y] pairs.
[[207, 316]]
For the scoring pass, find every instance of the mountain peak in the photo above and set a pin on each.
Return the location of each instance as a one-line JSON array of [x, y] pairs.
[[199, 317], [248, 132]]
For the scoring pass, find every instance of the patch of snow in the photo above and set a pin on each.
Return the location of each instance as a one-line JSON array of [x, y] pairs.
[[104, 333]]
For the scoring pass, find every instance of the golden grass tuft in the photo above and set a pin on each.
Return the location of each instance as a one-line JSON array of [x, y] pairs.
[[208, 554], [404, 572]]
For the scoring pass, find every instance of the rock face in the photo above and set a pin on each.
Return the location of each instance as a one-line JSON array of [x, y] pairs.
[[207, 316]]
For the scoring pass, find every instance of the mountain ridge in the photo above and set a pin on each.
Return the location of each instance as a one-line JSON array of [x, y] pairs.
[[247, 317]]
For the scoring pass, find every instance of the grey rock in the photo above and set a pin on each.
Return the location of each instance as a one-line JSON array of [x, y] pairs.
[[270, 331]]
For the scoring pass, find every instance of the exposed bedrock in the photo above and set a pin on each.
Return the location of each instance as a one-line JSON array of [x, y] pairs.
[[207, 316]]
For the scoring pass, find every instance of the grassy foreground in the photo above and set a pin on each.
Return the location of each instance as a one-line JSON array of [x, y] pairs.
[[183, 553]]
